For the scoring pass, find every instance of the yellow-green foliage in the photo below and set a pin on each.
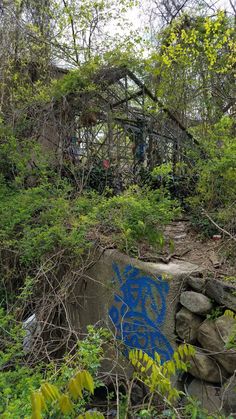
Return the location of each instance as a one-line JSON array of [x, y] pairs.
[[230, 313], [231, 341], [206, 39], [50, 398], [91, 415], [158, 376]]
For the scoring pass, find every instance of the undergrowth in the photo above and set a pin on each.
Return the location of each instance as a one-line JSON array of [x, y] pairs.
[[39, 220], [47, 235], [39, 223], [19, 379]]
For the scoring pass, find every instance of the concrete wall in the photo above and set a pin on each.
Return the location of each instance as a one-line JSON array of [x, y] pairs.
[[137, 300]]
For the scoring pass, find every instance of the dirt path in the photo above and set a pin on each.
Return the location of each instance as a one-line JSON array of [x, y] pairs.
[[188, 245]]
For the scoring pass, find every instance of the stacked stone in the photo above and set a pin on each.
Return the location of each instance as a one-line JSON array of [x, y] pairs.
[[213, 367]]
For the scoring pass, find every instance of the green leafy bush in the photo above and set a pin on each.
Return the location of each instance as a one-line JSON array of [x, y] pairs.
[[76, 81], [16, 386], [18, 380], [38, 221], [11, 338], [137, 214], [216, 186]]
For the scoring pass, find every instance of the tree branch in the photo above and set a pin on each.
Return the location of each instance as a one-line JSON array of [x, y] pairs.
[[218, 227]]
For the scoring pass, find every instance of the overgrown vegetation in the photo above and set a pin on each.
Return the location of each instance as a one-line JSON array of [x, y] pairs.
[[19, 386], [54, 215]]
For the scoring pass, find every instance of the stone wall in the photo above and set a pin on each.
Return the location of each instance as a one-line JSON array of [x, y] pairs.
[[201, 321]]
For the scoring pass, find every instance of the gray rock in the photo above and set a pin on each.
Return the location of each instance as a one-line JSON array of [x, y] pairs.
[[222, 292], [196, 283], [225, 325], [213, 335], [187, 325], [206, 368], [228, 396], [208, 395], [195, 302]]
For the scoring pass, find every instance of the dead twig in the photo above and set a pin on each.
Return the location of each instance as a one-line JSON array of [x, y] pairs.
[[218, 227]]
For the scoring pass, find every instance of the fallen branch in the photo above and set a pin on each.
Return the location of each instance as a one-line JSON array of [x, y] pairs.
[[217, 226]]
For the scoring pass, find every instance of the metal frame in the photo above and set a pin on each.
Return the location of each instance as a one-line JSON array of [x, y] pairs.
[[123, 123]]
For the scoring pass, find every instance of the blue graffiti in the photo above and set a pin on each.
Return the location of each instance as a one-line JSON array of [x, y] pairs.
[[139, 310]]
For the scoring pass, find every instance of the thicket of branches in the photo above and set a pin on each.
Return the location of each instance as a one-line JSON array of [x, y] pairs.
[[50, 227]]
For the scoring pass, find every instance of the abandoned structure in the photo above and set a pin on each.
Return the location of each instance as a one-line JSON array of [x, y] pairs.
[[119, 123]]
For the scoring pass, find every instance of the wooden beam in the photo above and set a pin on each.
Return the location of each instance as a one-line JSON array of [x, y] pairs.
[[160, 104], [137, 94]]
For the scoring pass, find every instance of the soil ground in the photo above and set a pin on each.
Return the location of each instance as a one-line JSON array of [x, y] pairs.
[[213, 254]]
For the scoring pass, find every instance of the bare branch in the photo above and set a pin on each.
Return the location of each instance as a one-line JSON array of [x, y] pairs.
[[218, 227]]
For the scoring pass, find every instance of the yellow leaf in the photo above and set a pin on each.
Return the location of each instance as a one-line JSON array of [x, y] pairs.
[[74, 390], [65, 404], [134, 362], [171, 367], [79, 383], [186, 351], [38, 404], [149, 364], [176, 357], [229, 313], [181, 351], [157, 358], [146, 357], [50, 392], [87, 381]]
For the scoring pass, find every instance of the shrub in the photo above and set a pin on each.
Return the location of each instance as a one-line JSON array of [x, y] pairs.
[[216, 186]]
